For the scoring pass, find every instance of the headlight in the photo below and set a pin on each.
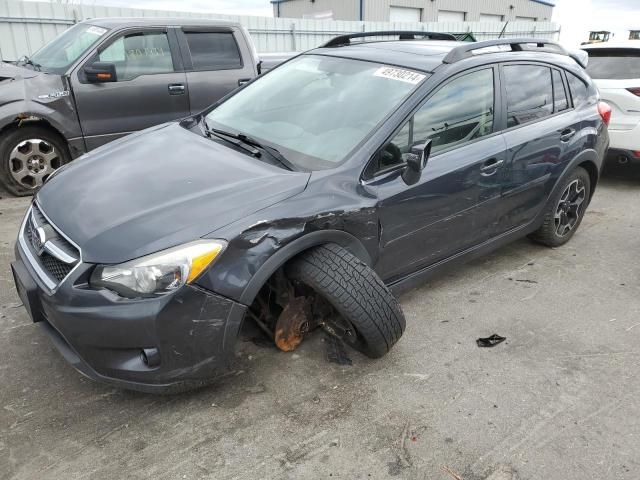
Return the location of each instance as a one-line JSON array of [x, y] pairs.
[[159, 273]]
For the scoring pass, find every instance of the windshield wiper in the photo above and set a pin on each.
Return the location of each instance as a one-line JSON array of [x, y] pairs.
[[27, 61], [250, 144]]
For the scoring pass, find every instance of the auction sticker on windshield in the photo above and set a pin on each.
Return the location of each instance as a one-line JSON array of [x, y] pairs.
[[96, 30], [400, 74]]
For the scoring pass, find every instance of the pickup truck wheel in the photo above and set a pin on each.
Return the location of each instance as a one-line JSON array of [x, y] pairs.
[[28, 156], [371, 319], [565, 210]]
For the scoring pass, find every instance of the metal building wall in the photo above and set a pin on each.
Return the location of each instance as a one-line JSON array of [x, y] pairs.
[[341, 9], [378, 10], [26, 26]]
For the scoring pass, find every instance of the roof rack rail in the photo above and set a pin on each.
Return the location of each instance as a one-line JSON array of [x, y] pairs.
[[517, 45], [401, 34]]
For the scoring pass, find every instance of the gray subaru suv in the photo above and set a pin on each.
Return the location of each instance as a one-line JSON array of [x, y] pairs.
[[304, 200]]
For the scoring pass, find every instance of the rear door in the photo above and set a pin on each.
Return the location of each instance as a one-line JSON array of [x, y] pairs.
[[217, 61], [542, 133], [150, 88], [451, 208]]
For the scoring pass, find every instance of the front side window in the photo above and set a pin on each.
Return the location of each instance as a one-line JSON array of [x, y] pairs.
[[141, 53], [213, 50], [459, 112], [59, 54], [316, 109], [529, 93]]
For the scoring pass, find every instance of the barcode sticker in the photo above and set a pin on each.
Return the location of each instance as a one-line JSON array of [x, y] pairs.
[[96, 30], [400, 74]]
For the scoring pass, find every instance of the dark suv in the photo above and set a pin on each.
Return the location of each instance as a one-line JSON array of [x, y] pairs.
[[304, 199]]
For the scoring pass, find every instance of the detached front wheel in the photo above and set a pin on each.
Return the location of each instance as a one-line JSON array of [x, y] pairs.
[[369, 317], [28, 156]]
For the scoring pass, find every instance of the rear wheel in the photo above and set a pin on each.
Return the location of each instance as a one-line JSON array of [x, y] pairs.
[[28, 156], [367, 315], [565, 210]]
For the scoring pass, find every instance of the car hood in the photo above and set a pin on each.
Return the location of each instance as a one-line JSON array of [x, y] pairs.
[[156, 189]]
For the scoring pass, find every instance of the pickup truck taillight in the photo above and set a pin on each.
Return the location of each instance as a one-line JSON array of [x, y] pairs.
[[635, 91], [605, 112]]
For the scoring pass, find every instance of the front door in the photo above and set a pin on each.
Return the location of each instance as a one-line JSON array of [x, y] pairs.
[[149, 89], [452, 207]]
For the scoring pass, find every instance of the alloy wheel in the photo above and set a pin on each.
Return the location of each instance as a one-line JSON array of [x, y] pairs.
[[569, 208], [32, 161]]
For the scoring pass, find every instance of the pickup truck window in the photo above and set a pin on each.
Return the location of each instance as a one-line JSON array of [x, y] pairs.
[[316, 109], [213, 50], [141, 53], [59, 54]]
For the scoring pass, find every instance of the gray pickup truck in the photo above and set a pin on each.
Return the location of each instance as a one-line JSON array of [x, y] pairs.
[[105, 78]]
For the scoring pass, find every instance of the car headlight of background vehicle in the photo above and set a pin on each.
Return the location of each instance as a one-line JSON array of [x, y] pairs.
[[159, 273]]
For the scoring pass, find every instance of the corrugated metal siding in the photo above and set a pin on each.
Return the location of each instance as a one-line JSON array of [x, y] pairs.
[[26, 26], [378, 10], [341, 9]]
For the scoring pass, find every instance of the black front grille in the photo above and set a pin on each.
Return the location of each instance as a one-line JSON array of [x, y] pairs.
[[55, 268]]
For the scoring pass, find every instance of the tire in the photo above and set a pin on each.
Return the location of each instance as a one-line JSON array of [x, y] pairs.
[[28, 155], [356, 293], [549, 233]]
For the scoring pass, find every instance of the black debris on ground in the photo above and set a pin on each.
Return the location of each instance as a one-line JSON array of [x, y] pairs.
[[491, 341]]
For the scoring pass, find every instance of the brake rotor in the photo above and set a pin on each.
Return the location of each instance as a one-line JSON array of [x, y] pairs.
[[292, 324]]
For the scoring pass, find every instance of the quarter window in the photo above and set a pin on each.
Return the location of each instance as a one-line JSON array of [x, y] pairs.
[[459, 112], [579, 91], [529, 93], [560, 101], [213, 50], [139, 54]]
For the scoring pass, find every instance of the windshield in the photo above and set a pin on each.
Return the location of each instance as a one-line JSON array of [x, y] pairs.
[[614, 63], [59, 54], [316, 109]]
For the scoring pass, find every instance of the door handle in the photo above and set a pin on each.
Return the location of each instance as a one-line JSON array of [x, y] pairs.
[[176, 89], [567, 134], [243, 81], [491, 166]]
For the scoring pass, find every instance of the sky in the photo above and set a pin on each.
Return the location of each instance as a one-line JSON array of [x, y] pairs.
[[576, 17]]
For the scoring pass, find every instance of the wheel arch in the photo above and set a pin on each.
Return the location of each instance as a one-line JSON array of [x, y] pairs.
[[24, 120], [587, 159], [594, 174], [293, 249]]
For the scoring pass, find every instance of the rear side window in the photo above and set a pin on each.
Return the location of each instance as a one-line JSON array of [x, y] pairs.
[[579, 91], [560, 101], [614, 63], [529, 93], [213, 50]]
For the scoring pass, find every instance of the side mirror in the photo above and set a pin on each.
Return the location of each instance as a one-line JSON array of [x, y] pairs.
[[99, 72], [416, 161]]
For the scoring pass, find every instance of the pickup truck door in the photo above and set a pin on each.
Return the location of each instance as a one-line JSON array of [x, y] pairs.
[[217, 61], [151, 86]]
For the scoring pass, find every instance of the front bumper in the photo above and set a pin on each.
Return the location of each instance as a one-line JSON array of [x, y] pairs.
[[191, 334]]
